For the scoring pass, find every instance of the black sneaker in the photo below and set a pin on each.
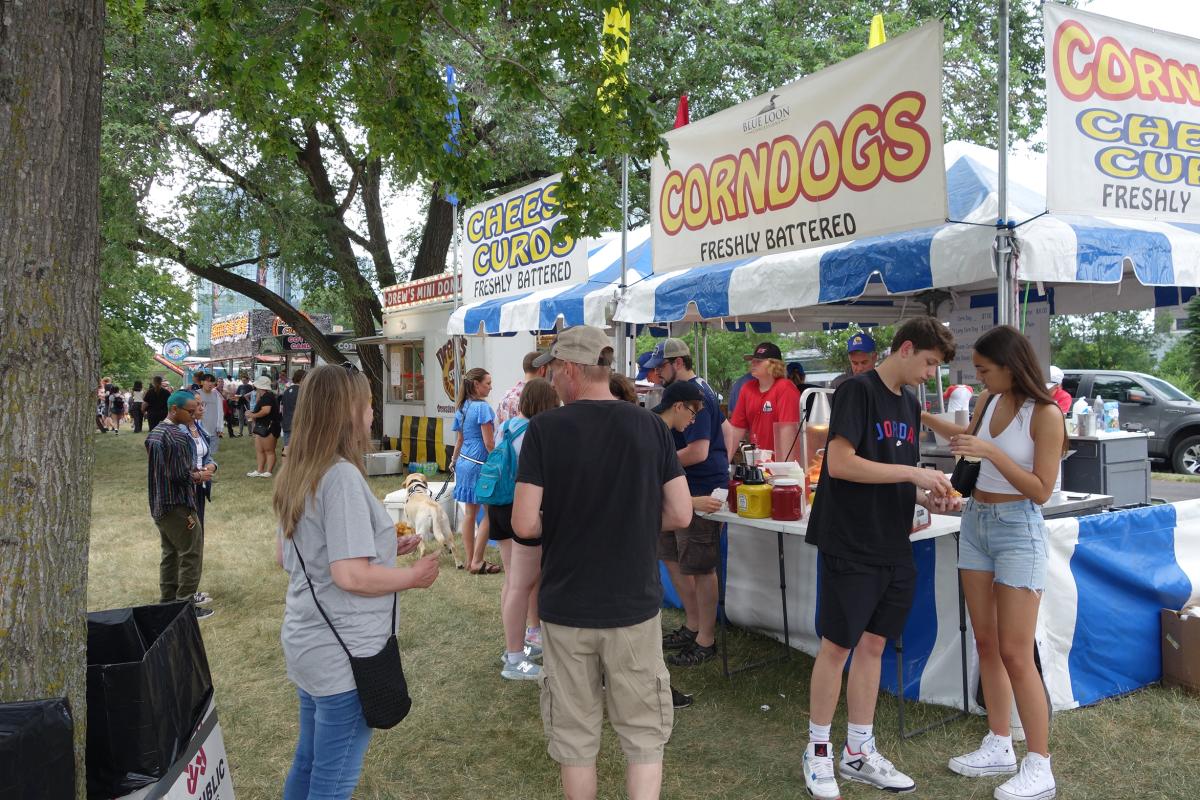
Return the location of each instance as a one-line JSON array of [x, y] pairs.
[[693, 655], [679, 699], [204, 613], [679, 638]]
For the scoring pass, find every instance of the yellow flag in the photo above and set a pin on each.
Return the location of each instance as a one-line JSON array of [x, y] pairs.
[[616, 51], [877, 37]]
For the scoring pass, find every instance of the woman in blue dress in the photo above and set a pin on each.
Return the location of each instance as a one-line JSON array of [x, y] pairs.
[[475, 423]]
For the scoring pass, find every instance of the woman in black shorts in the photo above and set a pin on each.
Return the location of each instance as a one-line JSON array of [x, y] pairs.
[[523, 561], [267, 426]]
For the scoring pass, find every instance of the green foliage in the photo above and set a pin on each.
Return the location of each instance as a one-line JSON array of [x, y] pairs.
[[1192, 340], [1108, 340], [1178, 367]]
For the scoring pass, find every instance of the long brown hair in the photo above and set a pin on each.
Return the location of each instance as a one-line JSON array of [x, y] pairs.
[[326, 427], [537, 396], [1005, 346], [467, 390]]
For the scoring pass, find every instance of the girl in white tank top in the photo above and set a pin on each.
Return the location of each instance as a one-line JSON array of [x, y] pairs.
[[1002, 553]]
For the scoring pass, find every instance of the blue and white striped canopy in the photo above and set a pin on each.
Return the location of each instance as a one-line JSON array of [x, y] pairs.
[[865, 276]]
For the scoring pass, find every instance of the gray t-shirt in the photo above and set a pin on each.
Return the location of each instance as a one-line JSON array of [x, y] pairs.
[[342, 520]]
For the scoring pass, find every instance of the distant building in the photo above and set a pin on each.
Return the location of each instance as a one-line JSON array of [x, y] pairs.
[[214, 302]]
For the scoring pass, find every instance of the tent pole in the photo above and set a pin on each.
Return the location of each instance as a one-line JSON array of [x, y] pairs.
[[1004, 312], [704, 350], [621, 329], [454, 341]]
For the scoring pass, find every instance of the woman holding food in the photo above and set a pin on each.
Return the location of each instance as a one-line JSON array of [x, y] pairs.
[[1020, 441]]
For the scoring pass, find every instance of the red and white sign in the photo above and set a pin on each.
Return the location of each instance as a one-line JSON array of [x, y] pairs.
[[205, 775], [418, 293]]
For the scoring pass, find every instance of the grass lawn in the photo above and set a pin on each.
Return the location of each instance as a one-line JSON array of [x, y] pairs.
[[473, 735]]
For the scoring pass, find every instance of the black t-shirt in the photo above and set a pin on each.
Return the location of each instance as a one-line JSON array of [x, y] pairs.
[[601, 465], [156, 402], [869, 522], [287, 405], [267, 398]]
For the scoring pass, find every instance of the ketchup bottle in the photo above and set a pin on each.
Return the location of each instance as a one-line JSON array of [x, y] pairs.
[[739, 477]]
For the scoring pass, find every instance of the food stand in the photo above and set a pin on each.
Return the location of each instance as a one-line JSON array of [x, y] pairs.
[[258, 342]]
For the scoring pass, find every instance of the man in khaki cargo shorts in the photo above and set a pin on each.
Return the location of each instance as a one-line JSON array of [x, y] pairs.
[[598, 479]]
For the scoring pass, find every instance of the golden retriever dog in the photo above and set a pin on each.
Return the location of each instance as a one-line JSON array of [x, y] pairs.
[[427, 518]]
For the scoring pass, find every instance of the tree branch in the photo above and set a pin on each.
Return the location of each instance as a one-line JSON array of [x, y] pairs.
[[157, 245], [254, 260]]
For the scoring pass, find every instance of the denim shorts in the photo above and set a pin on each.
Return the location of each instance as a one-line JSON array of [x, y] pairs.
[[1007, 539]]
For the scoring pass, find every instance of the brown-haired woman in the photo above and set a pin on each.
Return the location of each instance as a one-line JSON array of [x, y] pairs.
[[328, 515], [522, 561], [1021, 440], [475, 421]]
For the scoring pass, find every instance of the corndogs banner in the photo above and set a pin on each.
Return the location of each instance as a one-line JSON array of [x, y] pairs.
[[1123, 118], [511, 246], [854, 150]]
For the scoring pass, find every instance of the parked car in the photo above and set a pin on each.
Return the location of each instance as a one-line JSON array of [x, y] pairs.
[[1148, 404]]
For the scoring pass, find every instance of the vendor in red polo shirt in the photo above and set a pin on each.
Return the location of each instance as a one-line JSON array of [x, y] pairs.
[[768, 399]]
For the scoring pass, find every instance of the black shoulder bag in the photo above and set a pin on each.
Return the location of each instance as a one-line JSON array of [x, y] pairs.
[[967, 472], [382, 689]]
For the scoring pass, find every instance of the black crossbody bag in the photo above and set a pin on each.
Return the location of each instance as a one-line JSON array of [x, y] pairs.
[[382, 688], [967, 472]]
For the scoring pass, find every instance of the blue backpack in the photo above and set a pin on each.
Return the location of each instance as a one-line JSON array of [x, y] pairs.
[[497, 481]]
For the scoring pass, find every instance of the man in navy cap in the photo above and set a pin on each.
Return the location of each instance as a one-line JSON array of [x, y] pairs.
[[691, 553], [861, 348]]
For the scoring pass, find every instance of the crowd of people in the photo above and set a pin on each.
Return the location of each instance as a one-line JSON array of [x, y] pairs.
[[581, 592], [581, 589]]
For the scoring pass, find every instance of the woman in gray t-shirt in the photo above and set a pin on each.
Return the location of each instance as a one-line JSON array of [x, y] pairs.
[[349, 547]]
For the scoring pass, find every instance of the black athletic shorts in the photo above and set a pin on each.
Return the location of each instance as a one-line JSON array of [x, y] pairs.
[[500, 526], [857, 598]]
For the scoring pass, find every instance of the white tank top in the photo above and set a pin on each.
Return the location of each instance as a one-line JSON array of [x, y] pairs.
[[1016, 441]]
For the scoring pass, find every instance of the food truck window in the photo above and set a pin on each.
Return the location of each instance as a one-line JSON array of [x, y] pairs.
[[406, 372]]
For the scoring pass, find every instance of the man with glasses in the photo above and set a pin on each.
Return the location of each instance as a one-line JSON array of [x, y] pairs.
[[691, 553], [172, 476], [598, 479]]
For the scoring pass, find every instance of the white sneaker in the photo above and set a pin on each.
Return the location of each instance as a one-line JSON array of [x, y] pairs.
[[992, 758], [253, 474], [1034, 781], [264, 474], [525, 670], [201, 599], [818, 771], [870, 767], [531, 653]]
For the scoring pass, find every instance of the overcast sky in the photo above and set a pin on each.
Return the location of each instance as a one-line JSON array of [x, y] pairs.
[[1176, 16]]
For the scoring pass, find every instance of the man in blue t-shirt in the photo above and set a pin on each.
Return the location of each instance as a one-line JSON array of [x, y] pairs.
[[691, 554]]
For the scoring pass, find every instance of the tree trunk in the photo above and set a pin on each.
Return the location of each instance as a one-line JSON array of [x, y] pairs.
[[435, 238], [51, 66]]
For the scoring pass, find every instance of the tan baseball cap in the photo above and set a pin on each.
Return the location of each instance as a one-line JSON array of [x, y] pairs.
[[582, 344]]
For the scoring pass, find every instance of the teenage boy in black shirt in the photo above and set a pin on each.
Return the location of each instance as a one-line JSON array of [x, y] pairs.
[[860, 522]]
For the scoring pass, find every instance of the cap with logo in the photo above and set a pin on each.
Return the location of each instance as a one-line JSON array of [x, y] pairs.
[[765, 350], [582, 344], [643, 370], [860, 343], [678, 392], [1056, 377], [667, 350]]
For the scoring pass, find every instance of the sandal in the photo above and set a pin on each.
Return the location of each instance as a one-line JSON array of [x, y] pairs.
[[693, 656], [487, 568]]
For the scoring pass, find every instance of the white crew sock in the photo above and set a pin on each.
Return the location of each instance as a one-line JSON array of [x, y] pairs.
[[857, 736], [818, 733], [515, 658]]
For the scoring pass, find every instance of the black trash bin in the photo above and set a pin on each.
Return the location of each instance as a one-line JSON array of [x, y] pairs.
[[37, 757], [148, 684]]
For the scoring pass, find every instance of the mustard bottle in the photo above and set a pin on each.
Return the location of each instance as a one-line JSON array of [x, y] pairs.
[[754, 496]]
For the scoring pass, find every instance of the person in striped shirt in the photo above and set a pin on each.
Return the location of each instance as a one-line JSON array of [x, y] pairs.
[[172, 477]]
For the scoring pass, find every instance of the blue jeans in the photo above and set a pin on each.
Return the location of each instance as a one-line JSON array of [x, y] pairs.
[[329, 755], [1006, 539]]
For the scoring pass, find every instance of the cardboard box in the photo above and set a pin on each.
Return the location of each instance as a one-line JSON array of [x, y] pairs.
[[1181, 650]]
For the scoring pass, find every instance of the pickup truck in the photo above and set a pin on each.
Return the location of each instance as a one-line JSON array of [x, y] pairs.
[[1148, 404]]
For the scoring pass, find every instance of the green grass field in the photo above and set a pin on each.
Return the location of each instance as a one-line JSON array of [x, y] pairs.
[[473, 735]]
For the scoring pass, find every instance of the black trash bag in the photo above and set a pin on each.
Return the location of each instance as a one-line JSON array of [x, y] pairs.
[[148, 685], [37, 757]]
